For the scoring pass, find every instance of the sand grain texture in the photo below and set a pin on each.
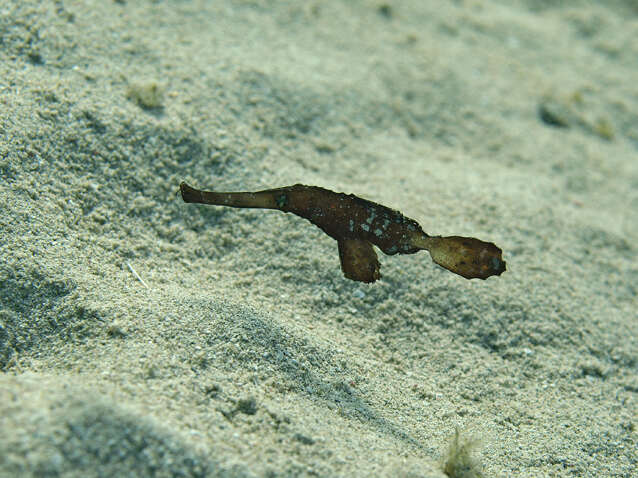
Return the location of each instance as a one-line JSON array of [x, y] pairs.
[[244, 351]]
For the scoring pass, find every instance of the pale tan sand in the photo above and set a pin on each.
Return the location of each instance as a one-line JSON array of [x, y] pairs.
[[244, 351]]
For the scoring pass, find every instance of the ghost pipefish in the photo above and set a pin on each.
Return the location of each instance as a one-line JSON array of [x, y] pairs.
[[357, 224]]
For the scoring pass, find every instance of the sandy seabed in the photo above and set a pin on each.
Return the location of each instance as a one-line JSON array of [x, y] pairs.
[[141, 336]]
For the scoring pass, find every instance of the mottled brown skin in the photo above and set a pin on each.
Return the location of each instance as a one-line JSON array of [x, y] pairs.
[[357, 224]]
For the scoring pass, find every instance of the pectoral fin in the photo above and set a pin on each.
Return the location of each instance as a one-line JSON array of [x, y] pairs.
[[358, 260]]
